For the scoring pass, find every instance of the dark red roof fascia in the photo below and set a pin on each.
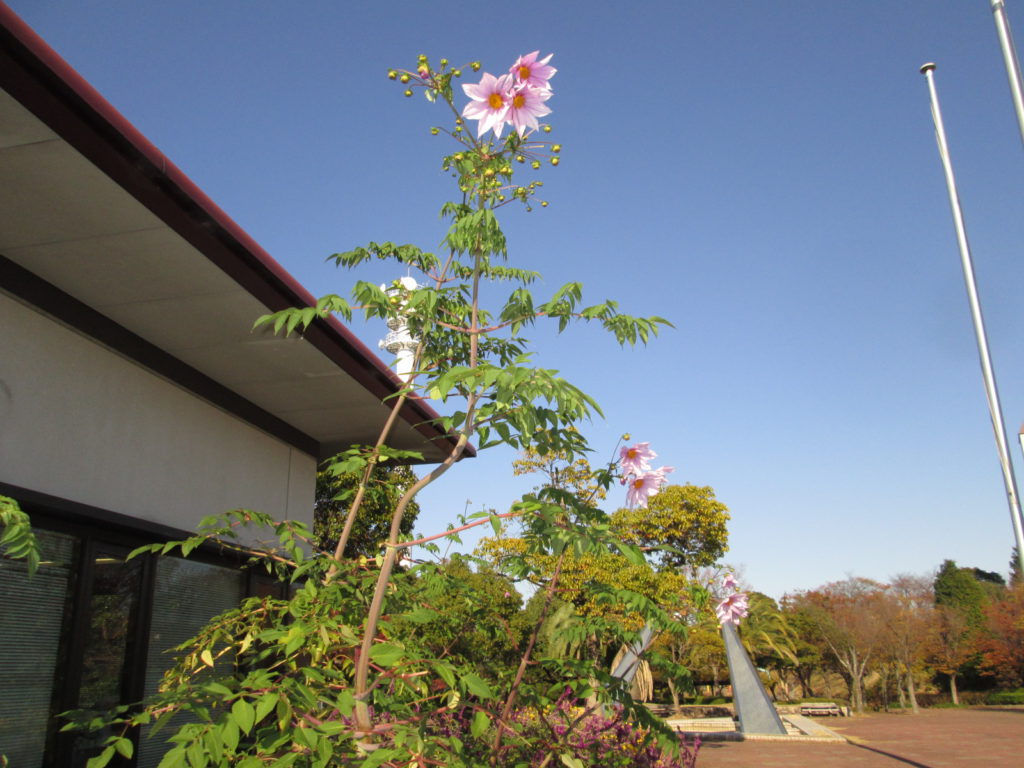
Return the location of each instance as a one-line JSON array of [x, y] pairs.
[[50, 88]]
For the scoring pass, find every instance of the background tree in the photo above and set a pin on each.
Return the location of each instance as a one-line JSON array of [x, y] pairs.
[[691, 520], [809, 648], [371, 527], [958, 588], [687, 518], [906, 608], [1002, 643], [845, 615], [475, 616], [767, 637], [952, 645]]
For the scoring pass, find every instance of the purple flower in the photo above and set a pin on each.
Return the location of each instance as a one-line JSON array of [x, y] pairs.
[[491, 98], [635, 459], [525, 106], [732, 608], [641, 487], [536, 74]]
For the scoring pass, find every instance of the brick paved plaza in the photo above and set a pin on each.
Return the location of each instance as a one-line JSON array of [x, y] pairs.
[[939, 738]]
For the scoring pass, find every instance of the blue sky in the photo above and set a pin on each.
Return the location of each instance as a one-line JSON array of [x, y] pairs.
[[762, 174]]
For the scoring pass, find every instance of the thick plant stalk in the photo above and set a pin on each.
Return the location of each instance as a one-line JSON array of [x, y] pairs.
[[364, 722], [385, 432], [362, 711], [357, 503]]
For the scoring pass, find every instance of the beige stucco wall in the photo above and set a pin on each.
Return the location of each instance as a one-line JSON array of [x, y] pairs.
[[83, 423]]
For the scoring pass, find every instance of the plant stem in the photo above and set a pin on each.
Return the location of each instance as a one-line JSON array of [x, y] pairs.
[[525, 660]]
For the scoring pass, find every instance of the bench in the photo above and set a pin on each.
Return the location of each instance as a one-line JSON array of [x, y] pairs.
[[821, 709]]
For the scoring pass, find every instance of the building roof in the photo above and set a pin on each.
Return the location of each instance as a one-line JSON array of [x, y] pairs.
[[99, 229]]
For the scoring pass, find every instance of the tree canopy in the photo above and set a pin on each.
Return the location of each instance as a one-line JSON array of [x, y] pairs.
[[370, 528], [687, 519]]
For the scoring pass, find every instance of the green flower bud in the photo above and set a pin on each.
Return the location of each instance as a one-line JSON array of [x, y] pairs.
[[543, 203], [404, 78], [476, 66], [435, 131], [392, 74], [444, 62], [554, 161], [520, 159], [457, 72], [535, 164], [408, 92], [547, 129], [556, 148]]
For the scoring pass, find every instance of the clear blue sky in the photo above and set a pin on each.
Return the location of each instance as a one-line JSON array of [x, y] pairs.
[[762, 174]]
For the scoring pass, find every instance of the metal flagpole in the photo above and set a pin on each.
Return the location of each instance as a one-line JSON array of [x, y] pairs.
[[995, 410], [1010, 59]]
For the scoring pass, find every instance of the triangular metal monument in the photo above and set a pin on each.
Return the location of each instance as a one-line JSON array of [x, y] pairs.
[[754, 708]]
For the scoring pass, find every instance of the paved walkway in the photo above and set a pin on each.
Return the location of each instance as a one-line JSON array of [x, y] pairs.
[[937, 738]]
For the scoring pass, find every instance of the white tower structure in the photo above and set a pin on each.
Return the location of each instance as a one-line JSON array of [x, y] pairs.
[[399, 342]]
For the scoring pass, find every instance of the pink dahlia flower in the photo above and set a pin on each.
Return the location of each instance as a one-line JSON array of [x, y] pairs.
[[635, 459], [536, 74], [525, 106], [641, 487], [732, 608], [491, 99], [729, 582]]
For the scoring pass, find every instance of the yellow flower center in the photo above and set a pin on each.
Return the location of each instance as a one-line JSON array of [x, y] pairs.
[[495, 101], [638, 483], [524, 72], [632, 453], [518, 100]]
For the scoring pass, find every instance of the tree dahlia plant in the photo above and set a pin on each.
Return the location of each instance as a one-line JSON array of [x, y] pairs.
[[366, 664]]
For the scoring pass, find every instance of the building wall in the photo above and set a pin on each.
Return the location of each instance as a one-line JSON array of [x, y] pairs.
[[82, 423]]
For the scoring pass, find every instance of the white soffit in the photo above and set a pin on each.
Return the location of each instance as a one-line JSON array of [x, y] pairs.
[[66, 221]]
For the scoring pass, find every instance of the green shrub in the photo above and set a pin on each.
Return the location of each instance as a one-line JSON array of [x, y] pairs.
[[1006, 697]]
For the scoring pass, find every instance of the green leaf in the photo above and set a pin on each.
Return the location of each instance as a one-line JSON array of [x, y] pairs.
[[218, 689], [264, 705], [386, 654], [101, 759], [481, 722], [570, 762], [229, 734], [477, 686], [124, 747], [421, 616], [243, 715]]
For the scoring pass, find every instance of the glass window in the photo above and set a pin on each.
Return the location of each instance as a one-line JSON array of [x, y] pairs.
[[30, 632], [187, 595]]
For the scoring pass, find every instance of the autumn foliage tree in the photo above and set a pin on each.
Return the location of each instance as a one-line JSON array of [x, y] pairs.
[[952, 645], [1002, 643], [906, 610], [845, 616]]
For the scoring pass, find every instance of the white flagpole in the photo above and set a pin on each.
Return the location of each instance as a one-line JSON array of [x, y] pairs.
[[995, 410], [1010, 59]]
